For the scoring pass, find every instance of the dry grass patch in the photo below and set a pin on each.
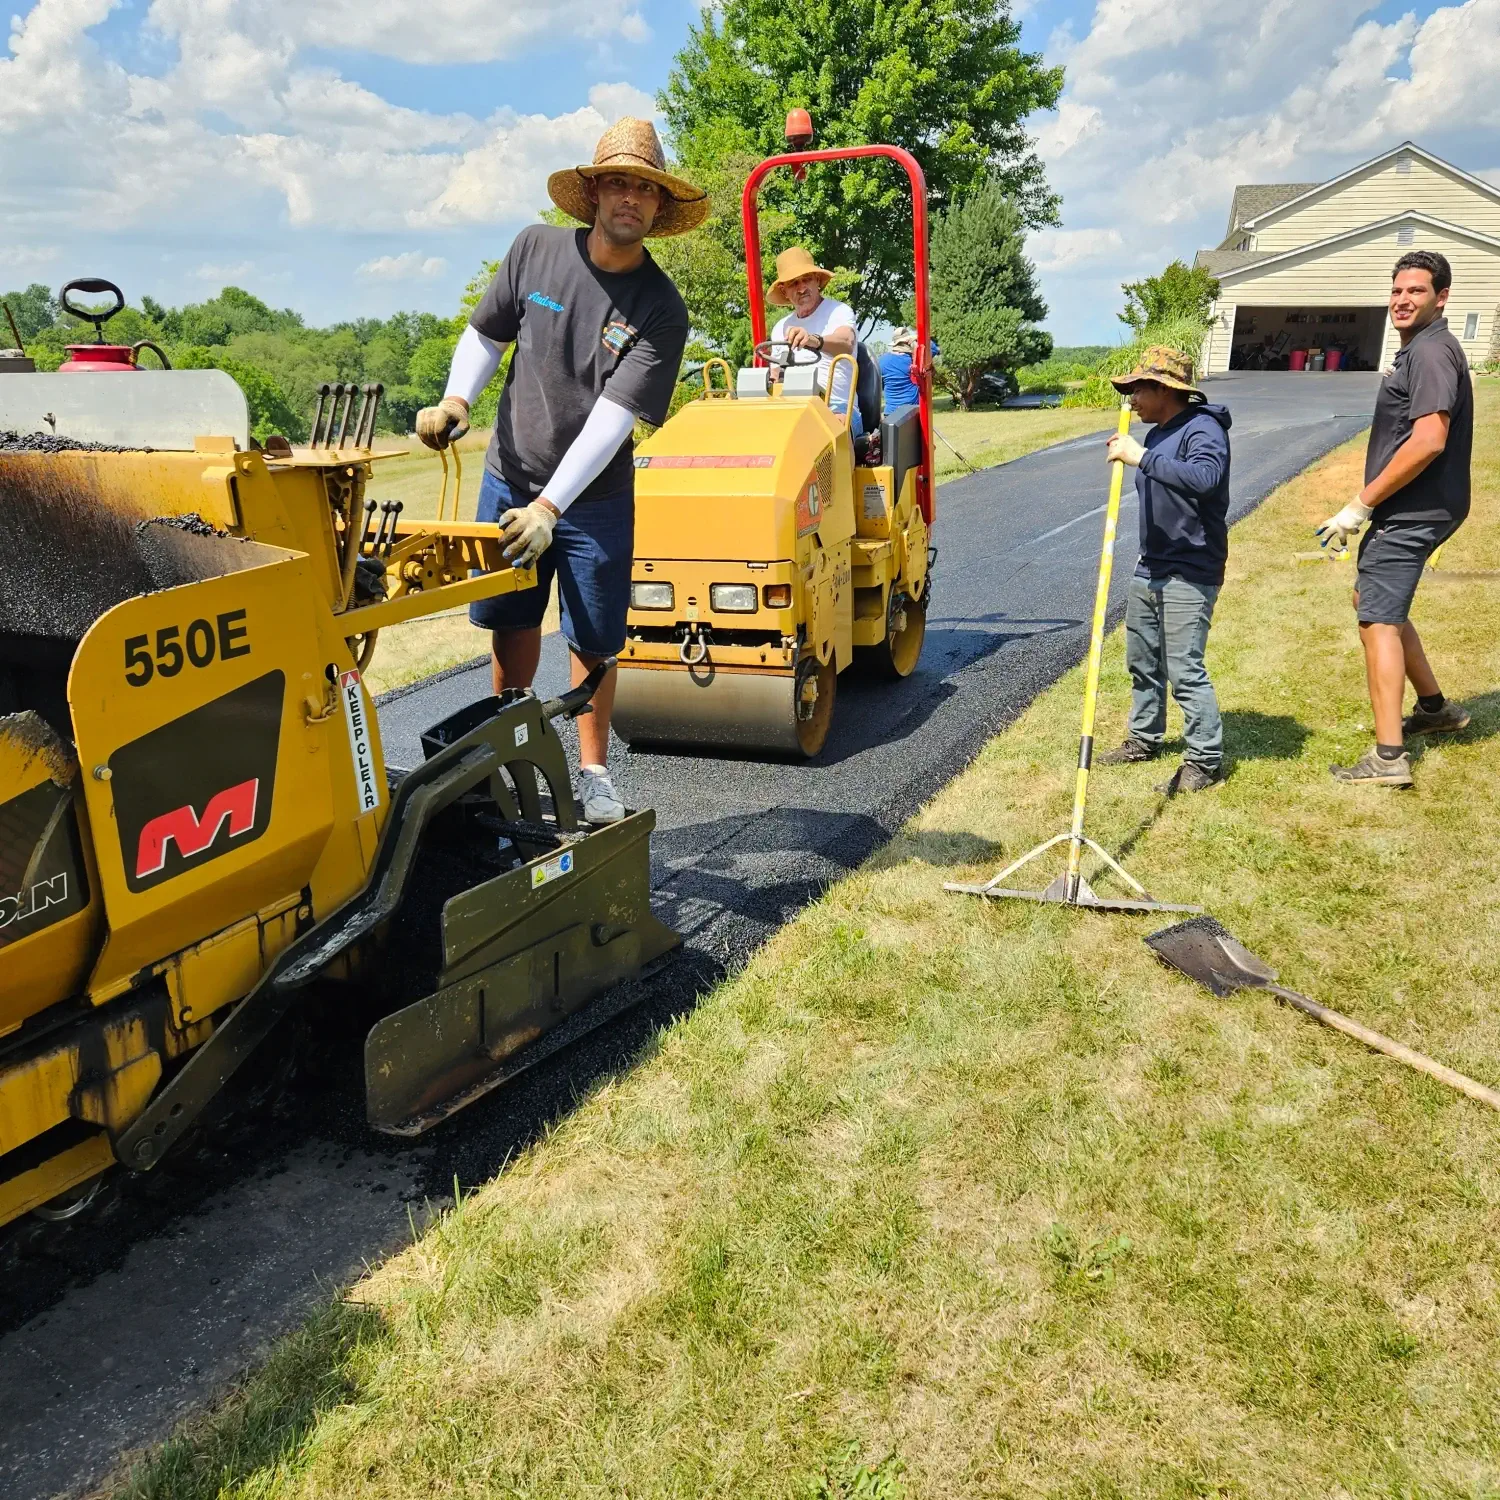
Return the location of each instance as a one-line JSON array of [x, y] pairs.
[[944, 1199]]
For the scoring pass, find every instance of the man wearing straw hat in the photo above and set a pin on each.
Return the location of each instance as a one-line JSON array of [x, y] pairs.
[[1182, 484], [599, 331], [822, 324]]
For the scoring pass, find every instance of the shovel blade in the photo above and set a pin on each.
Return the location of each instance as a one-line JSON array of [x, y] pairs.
[[1207, 952]]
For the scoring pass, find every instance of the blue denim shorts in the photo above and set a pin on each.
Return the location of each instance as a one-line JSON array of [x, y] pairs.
[[592, 552]]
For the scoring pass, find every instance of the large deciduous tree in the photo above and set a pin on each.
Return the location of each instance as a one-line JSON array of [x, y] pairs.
[[944, 78], [985, 302]]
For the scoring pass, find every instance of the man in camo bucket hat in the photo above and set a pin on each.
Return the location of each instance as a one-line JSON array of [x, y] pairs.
[[1182, 485]]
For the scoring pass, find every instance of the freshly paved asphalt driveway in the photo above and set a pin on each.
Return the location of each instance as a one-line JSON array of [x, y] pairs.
[[741, 846]]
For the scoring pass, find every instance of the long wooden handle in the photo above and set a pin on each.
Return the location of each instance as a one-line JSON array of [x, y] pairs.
[[1418, 1060]]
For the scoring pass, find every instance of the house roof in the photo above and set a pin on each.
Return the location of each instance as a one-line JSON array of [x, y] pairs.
[[1259, 261], [1405, 148], [1217, 262], [1254, 198]]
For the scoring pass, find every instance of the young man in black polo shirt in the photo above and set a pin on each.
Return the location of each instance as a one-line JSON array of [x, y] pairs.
[[1416, 492]]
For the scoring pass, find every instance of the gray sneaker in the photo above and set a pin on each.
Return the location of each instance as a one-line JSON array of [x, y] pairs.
[[1371, 770], [1449, 719], [1132, 753], [600, 801]]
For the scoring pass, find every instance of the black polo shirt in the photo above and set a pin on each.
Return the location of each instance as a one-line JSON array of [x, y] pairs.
[[1431, 375]]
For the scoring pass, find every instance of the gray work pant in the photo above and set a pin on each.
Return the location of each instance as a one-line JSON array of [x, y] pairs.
[[1166, 631]]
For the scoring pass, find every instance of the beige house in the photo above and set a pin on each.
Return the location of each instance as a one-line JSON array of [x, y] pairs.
[[1306, 266]]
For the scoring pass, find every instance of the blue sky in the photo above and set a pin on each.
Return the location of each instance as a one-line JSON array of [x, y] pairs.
[[357, 156]]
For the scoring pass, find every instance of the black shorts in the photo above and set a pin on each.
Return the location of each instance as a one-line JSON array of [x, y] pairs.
[[1391, 559]]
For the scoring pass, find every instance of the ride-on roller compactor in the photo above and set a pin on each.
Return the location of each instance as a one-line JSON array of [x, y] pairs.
[[770, 553], [197, 830]]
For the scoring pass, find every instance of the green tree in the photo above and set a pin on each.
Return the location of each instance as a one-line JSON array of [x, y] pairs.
[[985, 302], [1177, 293], [34, 309], [943, 78], [269, 409]]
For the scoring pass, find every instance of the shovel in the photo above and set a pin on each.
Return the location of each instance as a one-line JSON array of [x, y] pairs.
[[1203, 950]]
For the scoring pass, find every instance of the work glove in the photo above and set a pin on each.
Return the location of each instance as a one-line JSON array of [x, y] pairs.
[[1125, 449], [444, 423], [1349, 522], [526, 533]]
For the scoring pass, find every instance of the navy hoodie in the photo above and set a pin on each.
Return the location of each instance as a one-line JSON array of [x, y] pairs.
[[1183, 484]]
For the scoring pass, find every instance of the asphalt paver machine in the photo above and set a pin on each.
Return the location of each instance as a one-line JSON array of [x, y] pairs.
[[198, 833], [773, 552]]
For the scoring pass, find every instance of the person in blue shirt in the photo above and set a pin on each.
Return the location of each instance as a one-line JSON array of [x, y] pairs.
[[895, 370], [1182, 481]]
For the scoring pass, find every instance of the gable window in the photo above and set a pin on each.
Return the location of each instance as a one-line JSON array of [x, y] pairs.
[[1406, 234], [1471, 325]]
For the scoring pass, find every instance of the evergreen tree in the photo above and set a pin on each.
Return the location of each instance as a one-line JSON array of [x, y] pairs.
[[943, 78], [985, 302]]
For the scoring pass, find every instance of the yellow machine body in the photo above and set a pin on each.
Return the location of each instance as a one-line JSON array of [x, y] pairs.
[[764, 493], [212, 783]]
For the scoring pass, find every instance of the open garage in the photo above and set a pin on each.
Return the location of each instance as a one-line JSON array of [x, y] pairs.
[[1304, 270], [1310, 338]]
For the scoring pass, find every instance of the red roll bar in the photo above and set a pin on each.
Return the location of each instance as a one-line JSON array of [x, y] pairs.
[[921, 364]]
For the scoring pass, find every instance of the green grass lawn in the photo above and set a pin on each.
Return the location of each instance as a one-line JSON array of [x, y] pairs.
[[419, 648], [940, 1199]]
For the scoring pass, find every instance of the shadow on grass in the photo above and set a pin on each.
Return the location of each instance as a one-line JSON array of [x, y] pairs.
[[257, 1432], [1485, 721], [1252, 735]]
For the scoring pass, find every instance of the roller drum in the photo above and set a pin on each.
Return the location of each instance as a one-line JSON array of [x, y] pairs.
[[715, 709]]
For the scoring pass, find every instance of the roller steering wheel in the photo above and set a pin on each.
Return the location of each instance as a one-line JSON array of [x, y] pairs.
[[763, 351], [93, 286]]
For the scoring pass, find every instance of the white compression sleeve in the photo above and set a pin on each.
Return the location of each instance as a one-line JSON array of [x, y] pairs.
[[475, 361], [608, 426]]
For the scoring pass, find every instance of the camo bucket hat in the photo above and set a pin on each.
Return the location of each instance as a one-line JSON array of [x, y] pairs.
[[1169, 367]]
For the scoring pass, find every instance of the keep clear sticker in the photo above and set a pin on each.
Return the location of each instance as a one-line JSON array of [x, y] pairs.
[[357, 716], [554, 869]]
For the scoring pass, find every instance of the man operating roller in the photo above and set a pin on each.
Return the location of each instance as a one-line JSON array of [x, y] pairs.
[[599, 331]]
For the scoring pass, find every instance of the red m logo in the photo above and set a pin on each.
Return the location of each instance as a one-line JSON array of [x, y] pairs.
[[192, 833]]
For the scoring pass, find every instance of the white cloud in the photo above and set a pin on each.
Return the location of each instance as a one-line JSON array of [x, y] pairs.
[[238, 123], [1167, 108], [410, 266], [226, 275]]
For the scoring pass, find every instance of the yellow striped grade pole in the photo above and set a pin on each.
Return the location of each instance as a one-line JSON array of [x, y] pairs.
[[1096, 654]]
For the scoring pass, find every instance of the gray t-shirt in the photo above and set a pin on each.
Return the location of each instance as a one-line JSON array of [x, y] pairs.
[[578, 332], [1431, 375]]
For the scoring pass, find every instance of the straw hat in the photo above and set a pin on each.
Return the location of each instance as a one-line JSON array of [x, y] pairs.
[[1168, 367], [633, 147], [791, 264]]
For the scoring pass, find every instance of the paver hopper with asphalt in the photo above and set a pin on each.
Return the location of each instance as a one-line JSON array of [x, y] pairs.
[[771, 554], [197, 831]]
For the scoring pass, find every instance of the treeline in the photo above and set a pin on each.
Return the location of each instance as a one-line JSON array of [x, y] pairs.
[[277, 359]]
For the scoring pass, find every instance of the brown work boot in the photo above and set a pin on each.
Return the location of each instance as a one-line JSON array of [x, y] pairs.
[[1132, 753], [1449, 719], [1372, 770], [1191, 777]]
